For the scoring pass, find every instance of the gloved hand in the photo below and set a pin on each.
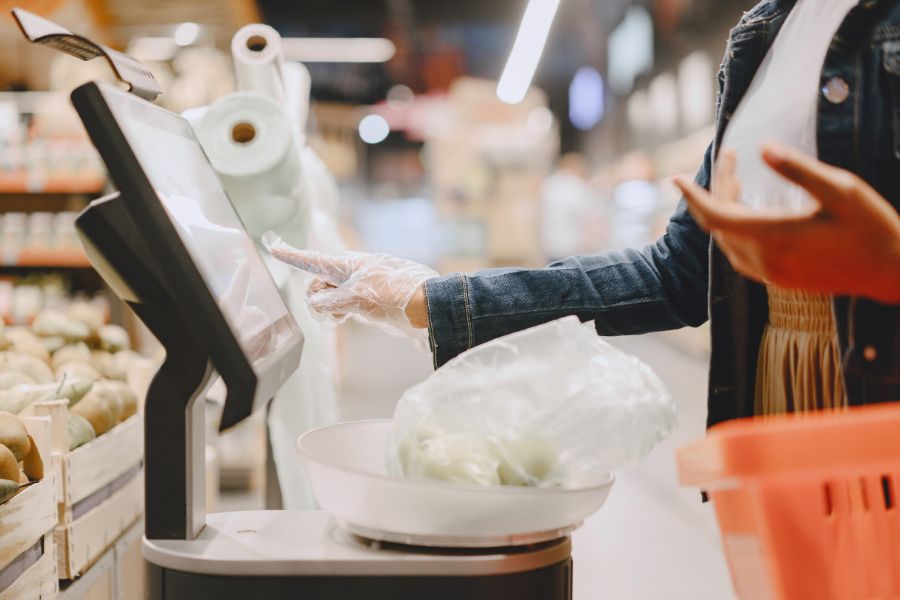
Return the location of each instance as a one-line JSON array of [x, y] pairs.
[[375, 287]]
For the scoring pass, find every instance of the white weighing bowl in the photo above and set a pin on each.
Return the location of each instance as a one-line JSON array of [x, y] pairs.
[[345, 465]]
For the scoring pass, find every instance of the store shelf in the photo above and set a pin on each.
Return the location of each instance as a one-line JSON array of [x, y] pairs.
[[11, 183], [46, 259], [46, 201]]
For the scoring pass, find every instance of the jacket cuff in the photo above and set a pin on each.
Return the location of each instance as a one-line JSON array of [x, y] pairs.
[[449, 316]]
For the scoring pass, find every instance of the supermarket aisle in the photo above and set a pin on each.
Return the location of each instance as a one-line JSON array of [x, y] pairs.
[[652, 540]]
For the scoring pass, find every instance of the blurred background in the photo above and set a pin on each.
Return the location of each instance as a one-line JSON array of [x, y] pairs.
[[437, 159], [431, 164]]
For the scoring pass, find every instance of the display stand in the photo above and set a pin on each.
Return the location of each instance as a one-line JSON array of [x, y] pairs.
[[174, 463]]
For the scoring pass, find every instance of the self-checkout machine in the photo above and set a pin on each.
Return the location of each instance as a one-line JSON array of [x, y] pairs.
[[171, 245]]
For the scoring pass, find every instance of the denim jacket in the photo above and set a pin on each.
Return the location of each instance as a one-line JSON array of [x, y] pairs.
[[683, 278]]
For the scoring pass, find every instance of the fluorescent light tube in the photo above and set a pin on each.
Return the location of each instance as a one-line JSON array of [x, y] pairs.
[[526, 51]]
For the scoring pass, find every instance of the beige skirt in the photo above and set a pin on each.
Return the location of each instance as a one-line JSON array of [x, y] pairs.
[[799, 364]]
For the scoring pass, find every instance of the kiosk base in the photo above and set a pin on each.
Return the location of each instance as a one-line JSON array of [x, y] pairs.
[[549, 583], [306, 554]]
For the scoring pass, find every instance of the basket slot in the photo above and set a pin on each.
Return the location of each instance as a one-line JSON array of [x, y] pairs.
[[887, 491], [863, 496], [829, 502]]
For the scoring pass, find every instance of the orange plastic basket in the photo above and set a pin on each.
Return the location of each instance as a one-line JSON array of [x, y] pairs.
[[807, 504]]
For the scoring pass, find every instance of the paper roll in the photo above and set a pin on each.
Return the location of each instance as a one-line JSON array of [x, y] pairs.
[[297, 85], [258, 61], [249, 142]]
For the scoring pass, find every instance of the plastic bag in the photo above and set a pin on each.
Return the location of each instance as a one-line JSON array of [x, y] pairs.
[[554, 405]]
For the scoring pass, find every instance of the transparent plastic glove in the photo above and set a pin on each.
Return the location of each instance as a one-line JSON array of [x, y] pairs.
[[374, 287]]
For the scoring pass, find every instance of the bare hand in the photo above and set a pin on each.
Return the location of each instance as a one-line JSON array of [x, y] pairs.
[[848, 245]]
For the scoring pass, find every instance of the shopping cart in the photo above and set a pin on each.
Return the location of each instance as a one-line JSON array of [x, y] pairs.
[[807, 504]]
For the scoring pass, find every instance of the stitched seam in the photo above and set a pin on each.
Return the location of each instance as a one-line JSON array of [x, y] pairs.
[[856, 102], [431, 339], [886, 33], [468, 311], [566, 309]]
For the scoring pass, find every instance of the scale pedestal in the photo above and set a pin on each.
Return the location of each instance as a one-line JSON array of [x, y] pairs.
[[306, 554]]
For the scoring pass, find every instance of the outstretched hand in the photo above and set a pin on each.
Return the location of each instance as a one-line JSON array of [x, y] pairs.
[[377, 287], [849, 244]]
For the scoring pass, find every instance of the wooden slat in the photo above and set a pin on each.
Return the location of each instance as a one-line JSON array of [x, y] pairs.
[[39, 581], [130, 564], [97, 583], [32, 512], [87, 538]]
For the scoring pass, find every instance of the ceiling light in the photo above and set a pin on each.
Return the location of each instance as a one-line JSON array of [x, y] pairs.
[[586, 96], [373, 129], [186, 34], [526, 51], [350, 50]]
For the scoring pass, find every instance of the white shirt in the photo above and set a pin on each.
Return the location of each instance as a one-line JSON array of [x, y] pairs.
[[781, 102]]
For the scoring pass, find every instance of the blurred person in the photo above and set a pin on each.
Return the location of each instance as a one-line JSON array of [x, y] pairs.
[[800, 277], [566, 201]]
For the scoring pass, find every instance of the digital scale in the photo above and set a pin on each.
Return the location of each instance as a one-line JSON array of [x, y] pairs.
[[170, 244]]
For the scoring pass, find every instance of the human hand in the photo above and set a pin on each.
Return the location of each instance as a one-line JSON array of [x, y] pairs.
[[383, 289], [849, 244]]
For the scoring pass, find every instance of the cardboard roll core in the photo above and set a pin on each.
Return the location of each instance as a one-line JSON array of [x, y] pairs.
[[243, 133], [257, 43]]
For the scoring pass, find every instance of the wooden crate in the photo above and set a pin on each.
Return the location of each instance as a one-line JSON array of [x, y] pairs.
[[97, 583], [26, 526], [130, 564], [38, 581], [101, 488]]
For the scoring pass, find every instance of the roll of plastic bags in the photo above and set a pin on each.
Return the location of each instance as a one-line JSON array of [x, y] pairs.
[[250, 144], [258, 61], [554, 405], [297, 85]]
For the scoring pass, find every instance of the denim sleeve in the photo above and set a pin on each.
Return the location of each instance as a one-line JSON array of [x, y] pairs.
[[663, 286]]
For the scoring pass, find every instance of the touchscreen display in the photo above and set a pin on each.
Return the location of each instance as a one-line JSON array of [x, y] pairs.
[[207, 223]]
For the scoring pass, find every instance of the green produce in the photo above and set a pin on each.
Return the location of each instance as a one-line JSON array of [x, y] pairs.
[[8, 489], [9, 466], [68, 354], [25, 342], [526, 461], [53, 344], [11, 379], [102, 361], [120, 397], [80, 431], [29, 365], [52, 323], [14, 436], [114, 338], [72, 390], [13, 401], [88, 313], [77, 370], [120, 364], [32, 464], [97, 407]]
